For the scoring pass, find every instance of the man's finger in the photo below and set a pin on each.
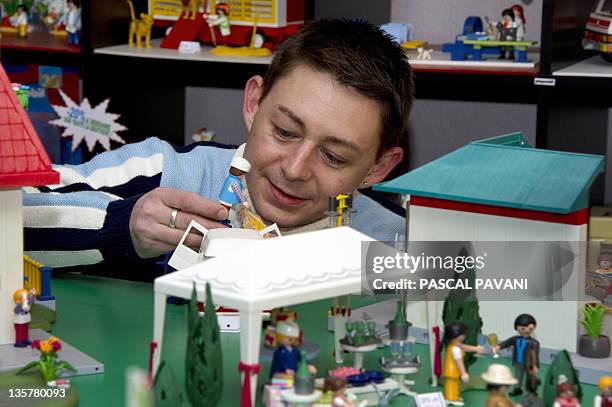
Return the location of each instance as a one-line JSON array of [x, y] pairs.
[[194, 203], [183, 219]]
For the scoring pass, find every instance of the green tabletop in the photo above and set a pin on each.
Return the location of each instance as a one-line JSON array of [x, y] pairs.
[[112, 321]]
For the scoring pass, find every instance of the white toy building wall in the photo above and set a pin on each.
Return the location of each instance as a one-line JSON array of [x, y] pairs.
[[11, 259], [557, 321]]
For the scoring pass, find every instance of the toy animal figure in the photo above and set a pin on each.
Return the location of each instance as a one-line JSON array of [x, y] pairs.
[[140, 29], [187, 4], [424, 54]]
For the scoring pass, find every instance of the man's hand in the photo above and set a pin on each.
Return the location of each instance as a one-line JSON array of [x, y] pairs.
[[465, 377], [150, 220]]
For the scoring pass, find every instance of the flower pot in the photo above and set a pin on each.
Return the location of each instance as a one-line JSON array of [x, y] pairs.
[[594, 348]]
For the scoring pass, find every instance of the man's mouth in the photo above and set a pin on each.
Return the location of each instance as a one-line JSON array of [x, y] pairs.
[[284, 198]]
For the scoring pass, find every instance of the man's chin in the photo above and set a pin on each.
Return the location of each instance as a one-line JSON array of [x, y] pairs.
[[284, 220]]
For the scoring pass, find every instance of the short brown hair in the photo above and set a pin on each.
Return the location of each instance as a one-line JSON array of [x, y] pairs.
[[359, 55]]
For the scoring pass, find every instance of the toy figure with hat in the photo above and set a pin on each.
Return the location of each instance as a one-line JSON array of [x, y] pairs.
[[498, 378], [286, 356]]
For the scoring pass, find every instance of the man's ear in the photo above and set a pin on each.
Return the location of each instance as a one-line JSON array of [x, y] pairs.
[[252, 95], [389, 159]]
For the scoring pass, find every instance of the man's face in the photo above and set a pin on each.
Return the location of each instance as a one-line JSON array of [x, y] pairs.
[[310, 139], [525, 330]]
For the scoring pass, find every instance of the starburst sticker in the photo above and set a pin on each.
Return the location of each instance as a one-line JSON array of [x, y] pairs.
[[86, 123]]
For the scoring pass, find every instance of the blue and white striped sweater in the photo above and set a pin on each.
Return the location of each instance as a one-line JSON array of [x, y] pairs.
[[85, 219]]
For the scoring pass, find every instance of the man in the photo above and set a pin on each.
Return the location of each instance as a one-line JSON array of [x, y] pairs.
[[523, 344], [329, 117]]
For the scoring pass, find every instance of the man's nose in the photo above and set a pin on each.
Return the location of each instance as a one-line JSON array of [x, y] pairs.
[[297, 164]]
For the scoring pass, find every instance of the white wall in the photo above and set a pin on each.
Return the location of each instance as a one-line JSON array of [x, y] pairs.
[[557, 321], [440, 21], [11, 259]]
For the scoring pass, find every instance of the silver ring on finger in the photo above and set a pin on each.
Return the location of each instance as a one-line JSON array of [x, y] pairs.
[[172, 222]]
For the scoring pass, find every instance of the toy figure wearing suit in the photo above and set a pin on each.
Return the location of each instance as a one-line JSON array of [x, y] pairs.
[[521, 344]]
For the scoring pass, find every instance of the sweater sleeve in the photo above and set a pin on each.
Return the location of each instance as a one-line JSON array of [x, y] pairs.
[[85, 218]]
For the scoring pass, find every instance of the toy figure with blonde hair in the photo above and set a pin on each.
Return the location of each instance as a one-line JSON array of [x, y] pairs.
[[605, 398], [454, 368], [24, 300]]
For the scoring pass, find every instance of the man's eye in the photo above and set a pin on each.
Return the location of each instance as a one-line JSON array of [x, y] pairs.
[[332, 159], [282, 133]]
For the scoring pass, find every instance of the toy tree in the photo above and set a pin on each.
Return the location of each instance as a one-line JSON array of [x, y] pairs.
[[561, 366], [166, 391], [10, 7], [462, 305], [203, 361]]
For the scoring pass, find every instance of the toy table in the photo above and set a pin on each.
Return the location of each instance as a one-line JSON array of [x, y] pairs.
[[112, 320], [359, 351], [478, 45], [300, 400], [399, 375]]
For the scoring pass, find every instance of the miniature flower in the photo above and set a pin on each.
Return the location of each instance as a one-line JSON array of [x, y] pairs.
[[36, 344], [56, 345], [52, 339], [46, 347]]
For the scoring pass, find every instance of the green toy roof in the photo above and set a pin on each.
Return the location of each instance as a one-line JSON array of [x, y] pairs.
[[505, 171]]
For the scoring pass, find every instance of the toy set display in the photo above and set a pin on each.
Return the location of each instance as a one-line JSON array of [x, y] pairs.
[[57, 17], [233, 28], [504, 39]]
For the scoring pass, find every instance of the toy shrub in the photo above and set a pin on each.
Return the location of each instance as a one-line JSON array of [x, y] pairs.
[[462, 305], [50, 368], [203, 359], [593, 344]]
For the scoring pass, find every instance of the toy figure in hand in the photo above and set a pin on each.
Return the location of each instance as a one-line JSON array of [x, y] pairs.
[[498, 378], [24, 300], [232, 187], [73, 22], [454, 368], [287, 356], [522, 343], [566, 396], [605, 398]]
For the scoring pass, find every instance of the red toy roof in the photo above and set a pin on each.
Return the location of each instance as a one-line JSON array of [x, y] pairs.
[[23, 159]]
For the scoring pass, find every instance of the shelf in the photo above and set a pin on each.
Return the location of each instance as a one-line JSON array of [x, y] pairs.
[[594, 67], [38, 41], [441, 63], [155, 52]]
